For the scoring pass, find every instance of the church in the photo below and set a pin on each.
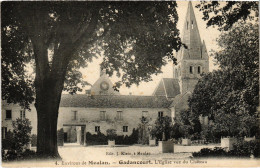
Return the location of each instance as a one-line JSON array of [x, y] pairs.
[[102, 108]]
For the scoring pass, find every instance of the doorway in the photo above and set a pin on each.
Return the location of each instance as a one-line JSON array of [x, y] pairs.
[[65, 137]]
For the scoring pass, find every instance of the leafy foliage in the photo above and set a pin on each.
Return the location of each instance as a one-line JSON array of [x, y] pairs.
[[60, 137], [225, 14], [12, 155], [163, 125], [125, 32], [21, 133], [34, 140], [241, 149], [175, 132], [16, 141], [206, 152], [143, 131], [57, 38], [186, 125], [96, 139], [244, 148], [229, 96], [8, 142], [101, 139], [111, 134]]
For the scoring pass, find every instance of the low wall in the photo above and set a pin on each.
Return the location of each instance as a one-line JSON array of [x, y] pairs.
[[197, 148]]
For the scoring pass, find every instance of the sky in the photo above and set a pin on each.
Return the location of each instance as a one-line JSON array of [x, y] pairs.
[[209, 35]]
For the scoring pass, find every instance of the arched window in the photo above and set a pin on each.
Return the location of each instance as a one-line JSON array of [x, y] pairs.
[[191, 70], [199, 69], [187, 25]]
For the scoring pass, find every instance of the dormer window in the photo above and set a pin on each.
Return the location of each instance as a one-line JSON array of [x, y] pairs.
[[192, 24]]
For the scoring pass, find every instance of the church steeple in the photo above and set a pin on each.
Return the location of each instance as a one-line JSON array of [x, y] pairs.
[[191, 36], [193, 60]]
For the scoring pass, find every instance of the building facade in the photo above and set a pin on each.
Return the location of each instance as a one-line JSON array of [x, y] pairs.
[[103, 108]]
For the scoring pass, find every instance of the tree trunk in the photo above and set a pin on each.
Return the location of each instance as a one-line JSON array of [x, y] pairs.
[[50, 76], [49, 85], [47, 105]]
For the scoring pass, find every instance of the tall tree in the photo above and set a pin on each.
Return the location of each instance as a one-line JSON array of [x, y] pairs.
[[225, 14], [230, 96], [136, 39], [162, 129]]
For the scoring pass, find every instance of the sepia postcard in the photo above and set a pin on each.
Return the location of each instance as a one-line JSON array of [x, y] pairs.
[[130, 84]]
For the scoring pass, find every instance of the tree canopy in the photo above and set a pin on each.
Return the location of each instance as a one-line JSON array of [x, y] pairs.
[[162, 129], [225, 14], [230, 95], [134, 38]]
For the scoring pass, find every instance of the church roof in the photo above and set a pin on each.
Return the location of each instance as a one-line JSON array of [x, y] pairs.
[[114, 101], [168, 87]]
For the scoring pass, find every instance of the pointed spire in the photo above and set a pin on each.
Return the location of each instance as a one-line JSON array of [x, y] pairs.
[[204, 51], [191, 36]]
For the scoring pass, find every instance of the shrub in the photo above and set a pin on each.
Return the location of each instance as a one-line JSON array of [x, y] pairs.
[[133, 138], [21, 133], [27, 154], [16, 142], [243, 148], [60, 137], [162, 126], [34, 140], [8, 142], [96, 139], [111, 134], [101, 139], [12, 155], [206, 152], [119, 140], [175, 132], [143, 132]]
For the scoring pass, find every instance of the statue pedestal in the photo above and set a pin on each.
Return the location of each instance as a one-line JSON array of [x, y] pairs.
[[111, 143], [166, 146]]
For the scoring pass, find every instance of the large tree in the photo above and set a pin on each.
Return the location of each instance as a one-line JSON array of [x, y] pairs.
[[224, 14], [136, 39], [230, 95]]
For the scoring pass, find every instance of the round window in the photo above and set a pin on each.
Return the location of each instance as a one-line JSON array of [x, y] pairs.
[[104, 85]]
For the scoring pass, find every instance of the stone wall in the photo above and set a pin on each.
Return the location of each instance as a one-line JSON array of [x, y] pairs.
[[31, 115], [91, 118]]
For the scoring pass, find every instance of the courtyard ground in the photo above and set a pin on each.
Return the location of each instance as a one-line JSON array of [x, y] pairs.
[[128, 156]]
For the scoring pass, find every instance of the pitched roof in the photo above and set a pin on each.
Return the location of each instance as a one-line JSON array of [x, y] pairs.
[[181, 98], [168, 87], [114, 101]]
